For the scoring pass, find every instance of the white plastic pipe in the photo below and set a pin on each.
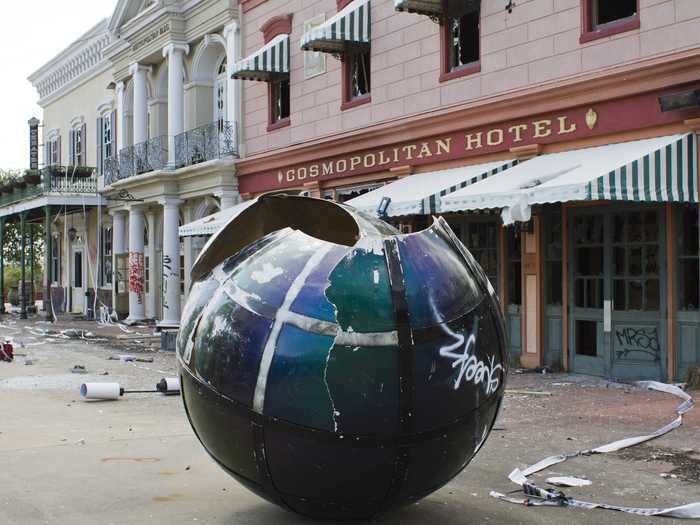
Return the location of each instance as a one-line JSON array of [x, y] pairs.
[[169, 386], [100, 391]]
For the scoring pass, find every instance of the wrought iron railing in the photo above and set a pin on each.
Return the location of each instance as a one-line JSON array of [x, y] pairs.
[[212, 141], [140, 158], [49, 180]]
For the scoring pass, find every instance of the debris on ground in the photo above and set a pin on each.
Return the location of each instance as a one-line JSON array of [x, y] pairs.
[[130, 358], [568, 481], [527, 393], [78, 369]]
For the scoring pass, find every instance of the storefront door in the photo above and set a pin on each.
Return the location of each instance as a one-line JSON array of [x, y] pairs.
[[617, 292], [78, 281]]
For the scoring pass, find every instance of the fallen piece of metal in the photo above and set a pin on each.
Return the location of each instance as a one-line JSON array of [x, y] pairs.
[[539, 497], [169, 386], [568, 481]]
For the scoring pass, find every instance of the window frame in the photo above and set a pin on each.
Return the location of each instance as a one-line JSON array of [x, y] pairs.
[[447, 73], [106, 255], [56, 260], [77, 154], [349, 101], [273, 27], [589, 33], [272, 123]]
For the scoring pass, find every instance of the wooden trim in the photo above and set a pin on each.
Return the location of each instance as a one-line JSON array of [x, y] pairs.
[[589, 34], [279, 124], [629, 80], [275, 26], [565, 287], [670, 293], [247, 5], [502, 263], [446, 72], [359, 101], [526, 152]]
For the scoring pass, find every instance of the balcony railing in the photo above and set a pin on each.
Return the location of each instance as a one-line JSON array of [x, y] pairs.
[[213, 141], [49, 180]]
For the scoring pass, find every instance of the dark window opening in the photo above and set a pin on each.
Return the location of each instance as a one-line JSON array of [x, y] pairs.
[[513, 249], [689, 266], [481, 238], [106, 256], [280, 101], [78, 274], [588, 261], [607, 11], [359, 76], [463, 35], [587, 338]]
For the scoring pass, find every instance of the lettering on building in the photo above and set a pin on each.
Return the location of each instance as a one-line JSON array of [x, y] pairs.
[[150, 37]]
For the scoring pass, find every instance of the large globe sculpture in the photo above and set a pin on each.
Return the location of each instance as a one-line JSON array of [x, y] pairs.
[[334, 366]]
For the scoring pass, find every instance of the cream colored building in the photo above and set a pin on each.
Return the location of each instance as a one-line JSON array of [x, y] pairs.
[[156, 116]]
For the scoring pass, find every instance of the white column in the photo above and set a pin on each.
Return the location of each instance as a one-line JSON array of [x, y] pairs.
[[171, 262], [153, 281], [187, 246], [118, 247], [121, 117], [228, 198], [176, 95], [232, 33], [137, 295], [138, 72]]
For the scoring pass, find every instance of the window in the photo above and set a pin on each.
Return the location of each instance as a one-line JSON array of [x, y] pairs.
[[602, 18], [689, 270], [53, 152], [279, 104], [553, 253], [147, 274], [636, 261], [106, 137], [220, 97], [461, 42], [182, 274], [106, 256], [482, 240], [77, 146], [357, 72], [588, 261]]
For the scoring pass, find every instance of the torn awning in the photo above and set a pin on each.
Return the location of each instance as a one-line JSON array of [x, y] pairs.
[[662, 169], [347, 30], [438, 8], [421, 194], [268, 63], [212, 223]]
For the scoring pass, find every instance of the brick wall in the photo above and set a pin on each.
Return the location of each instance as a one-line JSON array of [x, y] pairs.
[[538, 43]]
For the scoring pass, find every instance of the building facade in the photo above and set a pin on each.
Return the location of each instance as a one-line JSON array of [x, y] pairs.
[[157, 122], [489, 112]]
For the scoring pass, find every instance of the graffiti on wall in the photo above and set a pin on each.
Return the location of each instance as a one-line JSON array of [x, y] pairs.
[[167, 272], [637, 342], [137, 275]]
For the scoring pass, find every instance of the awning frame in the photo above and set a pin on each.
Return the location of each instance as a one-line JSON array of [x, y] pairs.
[[268, 64], [354, 21]]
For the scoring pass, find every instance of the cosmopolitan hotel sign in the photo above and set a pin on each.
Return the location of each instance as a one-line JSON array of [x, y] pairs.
[[437, 149]]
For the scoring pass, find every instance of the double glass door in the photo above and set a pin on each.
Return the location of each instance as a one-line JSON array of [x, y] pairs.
[[617, 293]]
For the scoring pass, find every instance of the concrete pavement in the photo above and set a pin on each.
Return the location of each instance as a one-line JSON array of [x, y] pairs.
[[136, 460]]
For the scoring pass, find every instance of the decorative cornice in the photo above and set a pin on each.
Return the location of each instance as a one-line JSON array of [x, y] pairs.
[[82, 59]]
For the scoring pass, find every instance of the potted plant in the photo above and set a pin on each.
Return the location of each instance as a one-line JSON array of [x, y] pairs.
[[32, 177]]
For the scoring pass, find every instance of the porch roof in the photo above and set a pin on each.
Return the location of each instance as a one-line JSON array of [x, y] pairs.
[[422, 193], [212, 223], [662, 169]]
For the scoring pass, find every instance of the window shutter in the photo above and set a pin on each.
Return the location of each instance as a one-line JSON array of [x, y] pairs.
[[47, 160], [71, 148], [58, 150], [100, 152], [83, 145], [115, 148]]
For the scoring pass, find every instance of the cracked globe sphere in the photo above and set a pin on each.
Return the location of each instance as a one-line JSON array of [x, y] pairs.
[[334, 366]]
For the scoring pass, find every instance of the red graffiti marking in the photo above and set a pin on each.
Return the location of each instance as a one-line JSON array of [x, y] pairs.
[[136, 274]]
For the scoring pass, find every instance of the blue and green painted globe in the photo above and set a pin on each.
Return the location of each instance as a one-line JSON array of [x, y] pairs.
[[334, 366]]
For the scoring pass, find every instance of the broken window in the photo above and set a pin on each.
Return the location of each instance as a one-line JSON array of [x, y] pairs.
[[636, 261], [481, 238], [607, 12], [279, 101], [587, 338], [553, 259], [588, 261], [463, 39], [359, 77], [689, 265]]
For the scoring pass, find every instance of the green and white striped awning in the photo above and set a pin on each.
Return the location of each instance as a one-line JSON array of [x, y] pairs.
[[437, 8], [270, 62], [421, 194], [348, 30], [662, 169]]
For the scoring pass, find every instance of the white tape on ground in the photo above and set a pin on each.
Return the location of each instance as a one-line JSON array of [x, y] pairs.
[[539, 497]]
